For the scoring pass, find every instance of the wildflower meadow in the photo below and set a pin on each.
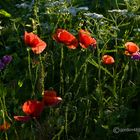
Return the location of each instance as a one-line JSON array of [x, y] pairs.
[[70, 70]]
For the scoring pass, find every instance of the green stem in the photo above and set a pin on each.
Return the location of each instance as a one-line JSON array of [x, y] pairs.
[[116, 1], [99, 86], [114, 84], [38, 126], [85, 74], [87, 114], [61, 72], [83, 67], [59, 133], [42, 75], [30, 73], [35, 16], [66, 121], [3, 115]]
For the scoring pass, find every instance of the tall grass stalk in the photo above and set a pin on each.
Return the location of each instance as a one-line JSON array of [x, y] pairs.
[[58, 135]]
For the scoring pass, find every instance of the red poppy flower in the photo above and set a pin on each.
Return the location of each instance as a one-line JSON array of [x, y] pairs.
[[37, 45], [5, 126], [63, 36], [50, 98], [107, 59], [33, 108], [131, 48], [86, 40]]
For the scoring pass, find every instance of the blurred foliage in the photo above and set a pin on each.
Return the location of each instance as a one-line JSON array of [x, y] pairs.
[[97, 98]]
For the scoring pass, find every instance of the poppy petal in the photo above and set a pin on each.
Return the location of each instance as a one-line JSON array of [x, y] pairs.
[[52, 101], [39, 48], [65, 37], [22, 118], [29, 37], [33, 108], [37, 45], [50, 93], [50, 98], [127, 53], [85, 39]]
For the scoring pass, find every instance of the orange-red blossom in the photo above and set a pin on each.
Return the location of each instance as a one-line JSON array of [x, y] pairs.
[[131, 48], [65, 37], [37, 45], [32, 109], [50, 98], [107, 59], [86, 40]]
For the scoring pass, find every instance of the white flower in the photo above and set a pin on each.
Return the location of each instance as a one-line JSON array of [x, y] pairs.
[[94, 15], [124, 11], [82, 8]]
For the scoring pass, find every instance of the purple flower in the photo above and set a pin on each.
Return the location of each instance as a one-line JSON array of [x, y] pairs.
[[6, 59], [136, 56], [2, 65]]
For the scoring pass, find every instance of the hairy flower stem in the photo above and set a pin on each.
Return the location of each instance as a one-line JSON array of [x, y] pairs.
[[30, 72], [41, 76], [61, 72], [99, 86]]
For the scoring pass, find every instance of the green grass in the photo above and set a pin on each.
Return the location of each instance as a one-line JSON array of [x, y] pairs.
[[96, 97]]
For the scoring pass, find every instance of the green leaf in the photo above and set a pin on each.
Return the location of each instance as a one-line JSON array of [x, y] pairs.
[[105, 126], [4, 13], [20, 83]]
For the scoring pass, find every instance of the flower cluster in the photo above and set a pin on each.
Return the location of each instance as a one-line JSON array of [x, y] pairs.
[[34, 108], [65, 37], [131, 49], [5, 61], [85, 40]]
